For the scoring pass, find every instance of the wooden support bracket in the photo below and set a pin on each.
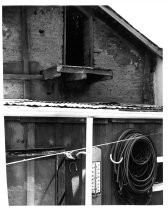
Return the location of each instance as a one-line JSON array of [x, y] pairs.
[[80, 72]]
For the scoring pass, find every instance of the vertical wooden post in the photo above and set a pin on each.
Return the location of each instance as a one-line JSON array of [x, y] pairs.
[[91, 40], [89, 143], [30, 164], [148, 96], [64, 53], [25, 56]]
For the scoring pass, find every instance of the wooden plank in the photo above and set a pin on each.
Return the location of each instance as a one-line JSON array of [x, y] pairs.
[[64, 55], [91, 41], [51, 73], [24, 37], [157, 198], [25, 56], [56, 120], [30, 165], [16, 174], [83, 10], [61, 179], [146, 79], [23, 77], [136, 33], [35, 111], [16, 67], [84, 70], [75, 77], [146, 121], [56, 71]]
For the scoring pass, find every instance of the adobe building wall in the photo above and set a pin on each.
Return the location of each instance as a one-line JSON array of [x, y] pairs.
[[45, 41], [45, 49], [45, 31], [114, 52], [158, 83]]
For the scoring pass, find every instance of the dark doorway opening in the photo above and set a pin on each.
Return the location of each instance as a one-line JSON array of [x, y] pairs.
[[76, 41]]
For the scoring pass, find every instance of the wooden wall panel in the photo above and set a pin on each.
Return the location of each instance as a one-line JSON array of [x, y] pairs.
[[16, 174], [71, 136], [15, 135], [110, 133], [45, 181], [157, 198], [45, 136], [16, 182]]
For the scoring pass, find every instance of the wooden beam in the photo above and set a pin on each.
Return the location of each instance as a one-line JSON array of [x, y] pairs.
[[16, 67], [75, 77], [64, 52], [51, 73], [35, 111], [83, 10], [25, 56], [148, 93], [23, 77], [30, 165], [79, 72], [91, 41], [84, 70], [61, 120]]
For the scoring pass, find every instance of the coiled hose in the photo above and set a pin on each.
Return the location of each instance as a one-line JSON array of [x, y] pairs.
[[134, 167]]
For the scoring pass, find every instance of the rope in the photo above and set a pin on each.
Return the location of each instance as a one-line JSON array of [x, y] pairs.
[[136, 173], [76, 150]]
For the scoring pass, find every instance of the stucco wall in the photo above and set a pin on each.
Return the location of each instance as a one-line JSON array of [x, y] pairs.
[[45, 31], [45, 44], [158, 83], [113, 52], [45, 47], [11, 28]]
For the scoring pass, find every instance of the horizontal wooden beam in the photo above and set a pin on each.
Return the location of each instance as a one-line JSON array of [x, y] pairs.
[[27, 111], [16, 67], [23, 77], [84, 70], [75, 77], [56, 120]]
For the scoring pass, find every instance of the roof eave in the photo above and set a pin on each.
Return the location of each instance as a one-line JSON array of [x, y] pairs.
[[153, 47]]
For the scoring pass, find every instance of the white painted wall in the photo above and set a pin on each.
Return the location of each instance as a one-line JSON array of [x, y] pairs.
[[158, 82]]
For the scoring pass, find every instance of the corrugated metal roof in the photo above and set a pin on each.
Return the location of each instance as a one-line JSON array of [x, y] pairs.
[[95, 105]]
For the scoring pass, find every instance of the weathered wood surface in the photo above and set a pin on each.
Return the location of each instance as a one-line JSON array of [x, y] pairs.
[[71, 135], [23, 77]]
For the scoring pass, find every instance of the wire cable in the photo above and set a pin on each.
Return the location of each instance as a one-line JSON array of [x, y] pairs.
[[135, 175], [76, 150]]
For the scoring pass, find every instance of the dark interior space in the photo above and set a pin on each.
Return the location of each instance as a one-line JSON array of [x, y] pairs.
[[74, 37]]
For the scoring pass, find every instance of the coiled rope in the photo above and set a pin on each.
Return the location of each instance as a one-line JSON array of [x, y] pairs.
[[134, 167]]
